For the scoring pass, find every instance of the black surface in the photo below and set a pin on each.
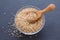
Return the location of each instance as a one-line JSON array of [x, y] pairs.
[[51, 30]]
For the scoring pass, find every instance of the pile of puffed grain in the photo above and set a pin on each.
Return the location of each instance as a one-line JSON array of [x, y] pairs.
[[23, 24]]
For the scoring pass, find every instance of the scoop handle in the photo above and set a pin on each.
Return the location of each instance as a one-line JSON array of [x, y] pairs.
[[50, 7]]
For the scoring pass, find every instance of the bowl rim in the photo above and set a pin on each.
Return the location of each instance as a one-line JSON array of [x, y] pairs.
[[25, 32]]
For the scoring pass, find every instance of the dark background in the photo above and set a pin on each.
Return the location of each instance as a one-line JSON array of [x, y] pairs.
[[51, 30]]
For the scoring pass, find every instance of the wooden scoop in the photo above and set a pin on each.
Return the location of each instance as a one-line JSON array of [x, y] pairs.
[[50, 7]]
